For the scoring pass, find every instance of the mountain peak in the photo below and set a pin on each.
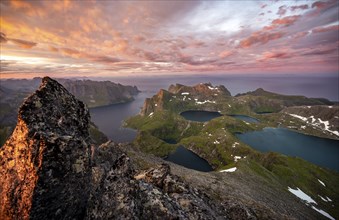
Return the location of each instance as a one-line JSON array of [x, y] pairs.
[[47, 156]]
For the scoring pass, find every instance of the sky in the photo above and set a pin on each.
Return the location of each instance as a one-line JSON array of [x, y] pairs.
[[136, 38]]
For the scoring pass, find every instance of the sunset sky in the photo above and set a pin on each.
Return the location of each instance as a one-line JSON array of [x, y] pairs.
[[123, 38]]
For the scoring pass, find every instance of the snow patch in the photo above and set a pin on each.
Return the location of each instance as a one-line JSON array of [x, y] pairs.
[[184, 98], [155, 105], [229, 105], [323, 213], [151, 114], [321, 182], [322, 198], [317, 122], [236, 158], [300, 194], [325, 199], [330, 106], [230, 170], [210, 135], [206, 101], [213, 88], [185, 93]]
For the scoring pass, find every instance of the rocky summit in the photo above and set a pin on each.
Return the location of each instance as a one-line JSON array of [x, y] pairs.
[[45, 164], [50, 169]]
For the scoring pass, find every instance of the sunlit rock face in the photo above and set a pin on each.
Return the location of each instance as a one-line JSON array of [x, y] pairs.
[[45, 164]]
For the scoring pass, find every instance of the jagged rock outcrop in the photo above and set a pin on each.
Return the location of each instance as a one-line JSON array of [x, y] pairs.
[[45, 164], [50, 169]]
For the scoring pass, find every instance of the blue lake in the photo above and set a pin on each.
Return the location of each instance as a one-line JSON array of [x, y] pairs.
[[187, 158], [200, 116], [320, 151]]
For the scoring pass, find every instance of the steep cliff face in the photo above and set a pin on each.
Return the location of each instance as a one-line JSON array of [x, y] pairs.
[[156, 102], [95, 93], [45, 164]]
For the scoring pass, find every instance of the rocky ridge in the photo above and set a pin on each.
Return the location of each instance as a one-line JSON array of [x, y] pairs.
[[51, 169], [199, 94]]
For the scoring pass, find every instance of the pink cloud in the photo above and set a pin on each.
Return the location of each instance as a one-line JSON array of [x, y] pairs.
[[22, 43], [3, 38], [326, 29], [226, 53], [320, 4], [299, 35], [275, 55], [79, 54], [299, 7], [260, 37], [286, 21], [282, 10]]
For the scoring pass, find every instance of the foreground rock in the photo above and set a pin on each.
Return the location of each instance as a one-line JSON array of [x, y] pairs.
[[119, 192], [51, 170], [45, 164]]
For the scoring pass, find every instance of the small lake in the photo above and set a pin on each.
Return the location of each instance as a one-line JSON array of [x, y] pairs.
[[320, 151], [187, 158], [200, 116], [245, 118]]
